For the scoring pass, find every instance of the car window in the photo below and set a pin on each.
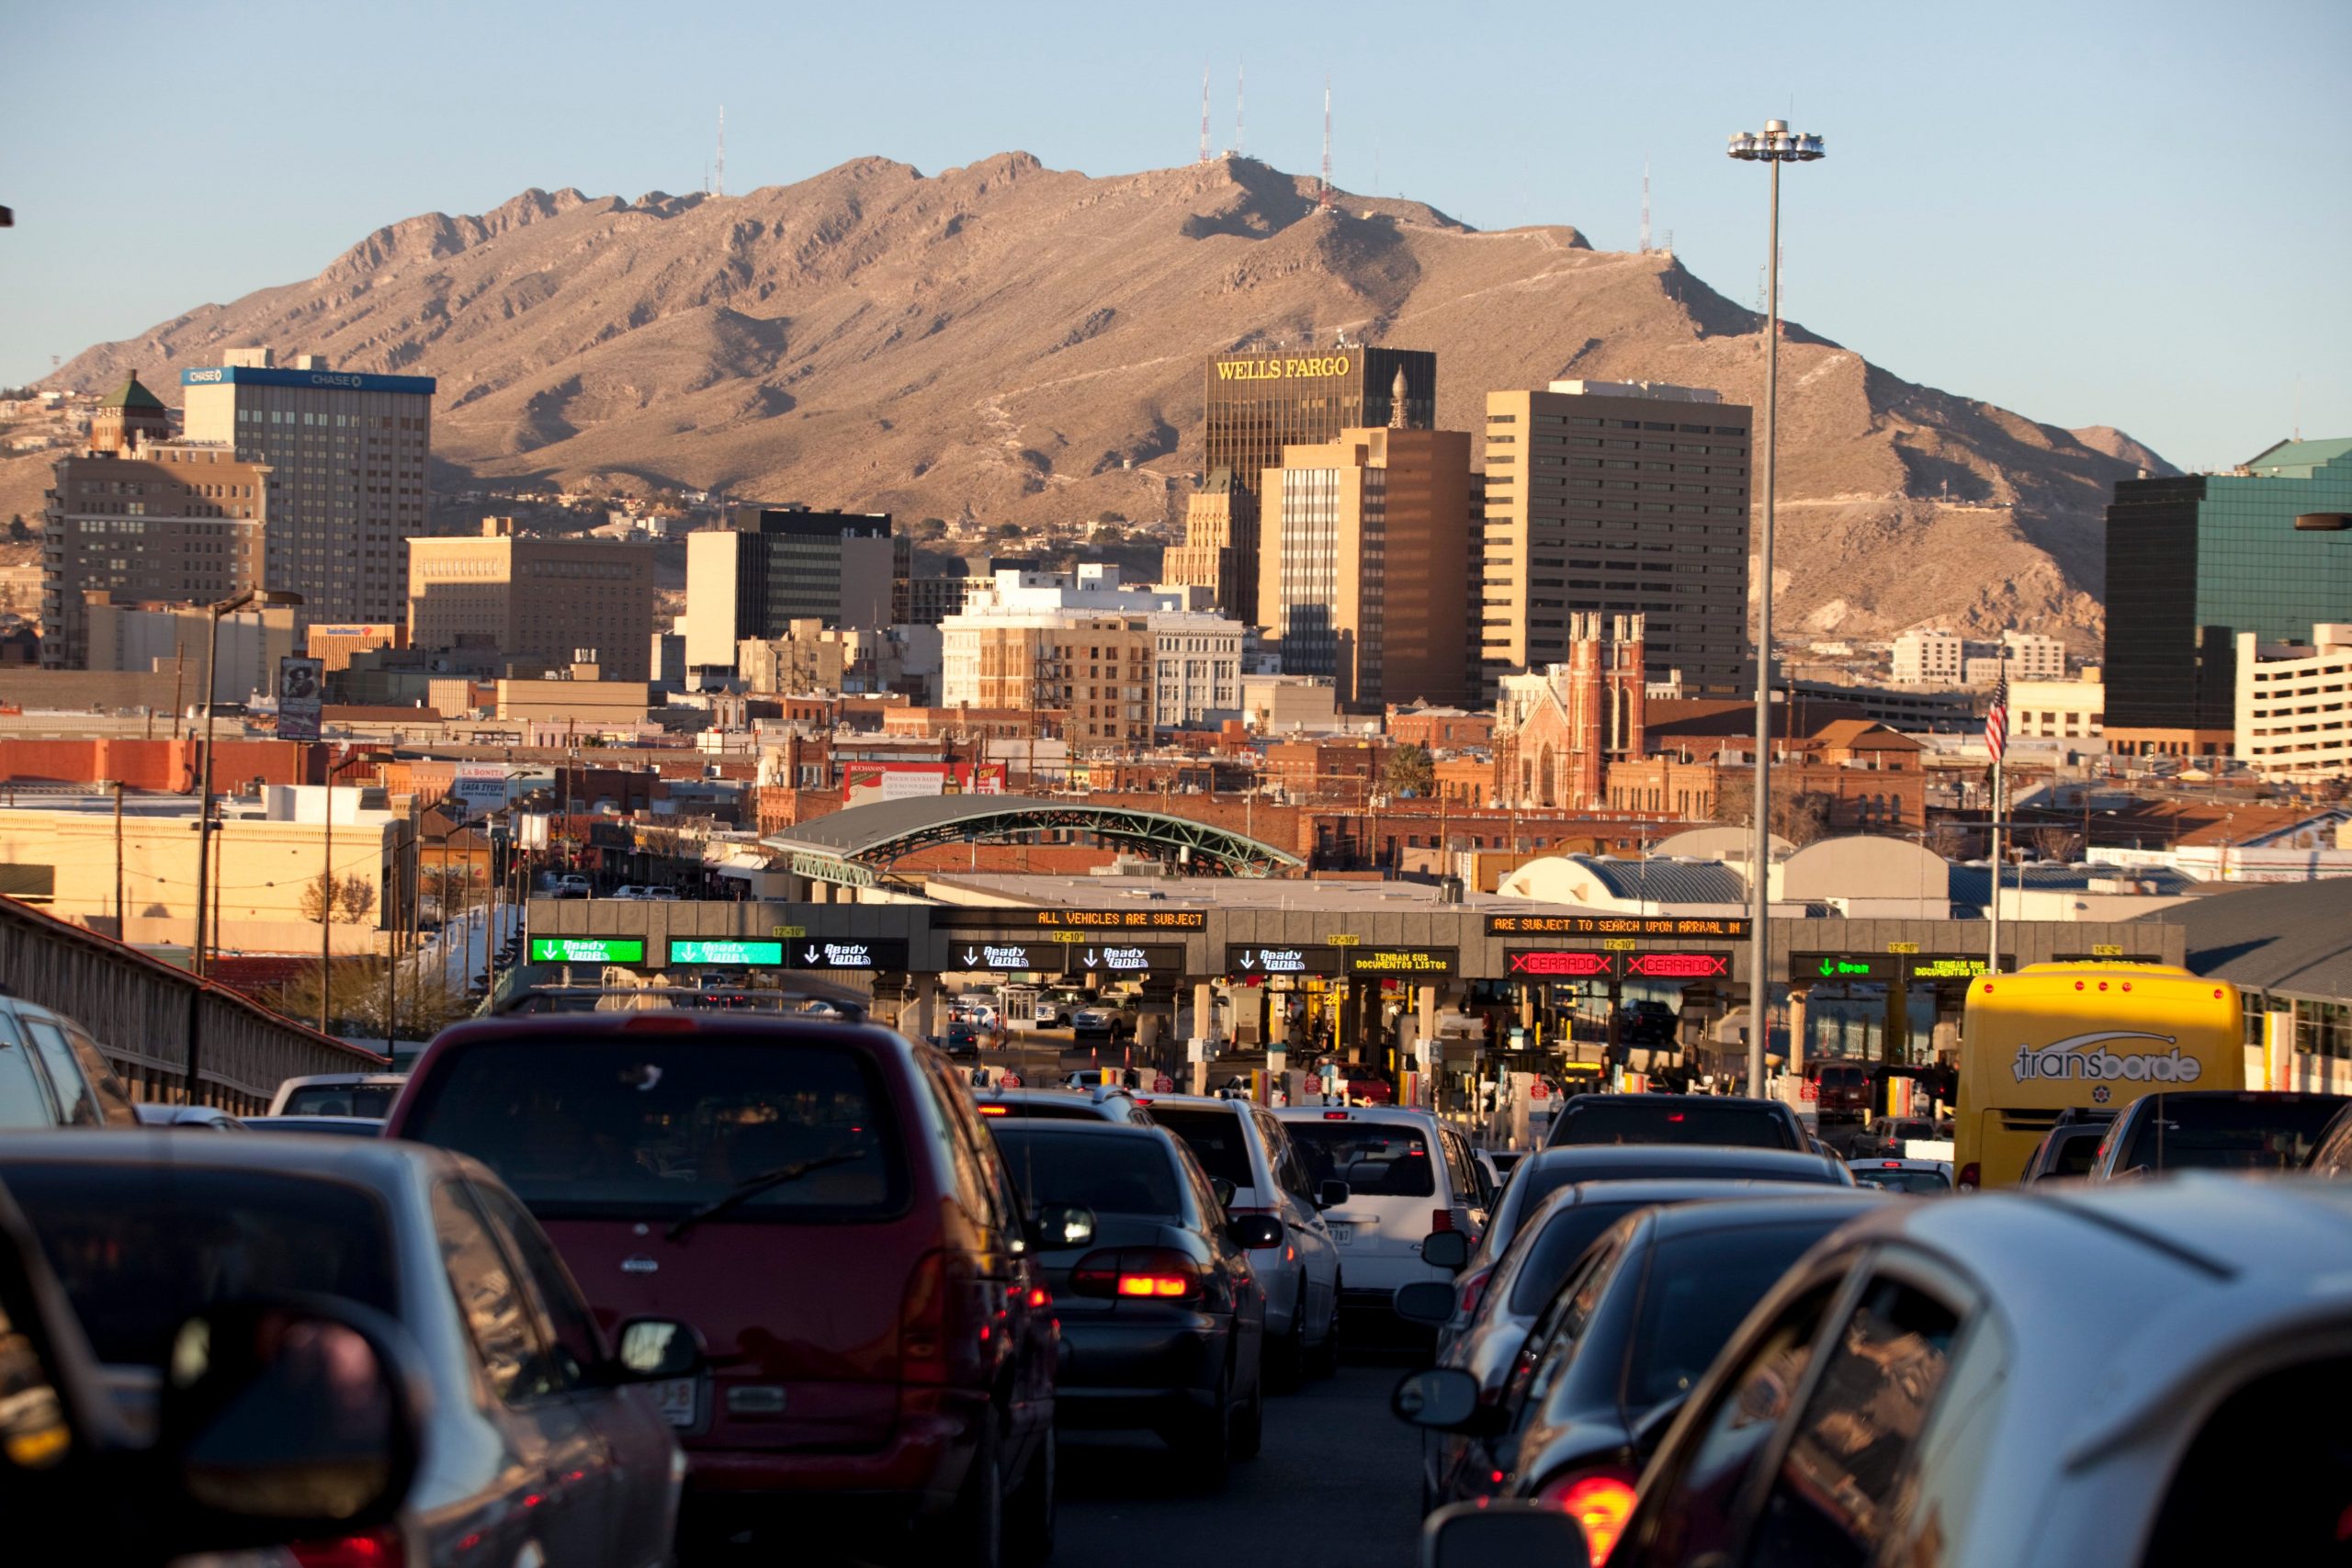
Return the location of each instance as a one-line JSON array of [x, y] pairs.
[[1834, 1502], [654, 1125], [1109, 1175], [1544, 1262], [24, 1095], [1556, 1339], [1697, 1290], [77, 1107], [564, 1318], [1289, 1175], [2230, 1133], [999, 1201], [139, 1251], [1692, 1520], [1215, 1136], [497, 1313], [340, 1100], [1747, 1124], [1375, 1159], [114, 1097]]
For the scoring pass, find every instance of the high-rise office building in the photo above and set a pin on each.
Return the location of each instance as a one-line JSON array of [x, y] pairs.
[[1258, 403], [1120, 659], [346, 455], [552, 600], [141, 519], [771, 566], [1364, 552], [2195, 561], [1625, 498], [1213, 515]]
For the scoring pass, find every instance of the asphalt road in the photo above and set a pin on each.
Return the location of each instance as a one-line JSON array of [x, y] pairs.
[[1335, 1484]]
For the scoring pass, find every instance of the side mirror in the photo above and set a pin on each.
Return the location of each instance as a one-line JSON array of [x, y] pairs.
[[1059, 1225], [655, 1349], [1224, 1189], [1332, 1194], [286, 1419], [1255, 1231], [1425, 1300], [1485, 1533], [1444, 1397], [1445, 1249]]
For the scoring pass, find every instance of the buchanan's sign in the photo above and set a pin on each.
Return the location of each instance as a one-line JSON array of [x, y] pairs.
[[1310, 367]]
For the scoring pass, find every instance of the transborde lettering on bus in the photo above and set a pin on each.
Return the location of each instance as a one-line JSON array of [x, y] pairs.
[[2084, 1056]]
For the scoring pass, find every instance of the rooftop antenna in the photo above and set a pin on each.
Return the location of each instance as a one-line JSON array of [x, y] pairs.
[[1204, 113], [1240, 80], [1645, 207], [1323, 196], [720, 188]]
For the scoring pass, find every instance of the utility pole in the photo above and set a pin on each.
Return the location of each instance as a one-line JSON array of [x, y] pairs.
[[122, 915]]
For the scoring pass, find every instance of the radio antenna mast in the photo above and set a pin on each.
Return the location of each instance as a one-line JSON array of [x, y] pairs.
[[721, 184], [1645, 207], [1240, 81], [1204, 113], [1323, 196]]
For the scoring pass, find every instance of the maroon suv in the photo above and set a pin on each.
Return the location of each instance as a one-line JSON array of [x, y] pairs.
[[820, 1201]]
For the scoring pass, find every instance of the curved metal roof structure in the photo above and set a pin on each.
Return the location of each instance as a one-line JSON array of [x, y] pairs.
[[855, 846]]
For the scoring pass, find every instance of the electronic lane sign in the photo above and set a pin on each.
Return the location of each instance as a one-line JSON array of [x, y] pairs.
[[1678, 965], [1719, 928], [1844, 965], [1940, 967], [982, 919], [1244, 958], [1008, 957], [746, 954], [587, 950], [1559, 963], [1402, 961], [1116, 958], [830, 952]]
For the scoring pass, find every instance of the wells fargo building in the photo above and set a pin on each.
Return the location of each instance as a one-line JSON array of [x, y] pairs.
[[1258, 403]]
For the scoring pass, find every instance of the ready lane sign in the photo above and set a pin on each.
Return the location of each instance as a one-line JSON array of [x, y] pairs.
[[746, 954], [1008, 957], [1241, 958], [831, 952], [587, 950], [1121, 958]]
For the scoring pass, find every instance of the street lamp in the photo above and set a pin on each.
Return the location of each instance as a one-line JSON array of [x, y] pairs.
[[1776, 146], [265, 597]]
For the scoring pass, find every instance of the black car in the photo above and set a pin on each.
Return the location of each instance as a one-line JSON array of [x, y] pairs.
[[1620, 1346], [1162, 1323], [2218, 1129], [962, 1039], [1646, 1023], [2068, 1149], [1677, 1119]]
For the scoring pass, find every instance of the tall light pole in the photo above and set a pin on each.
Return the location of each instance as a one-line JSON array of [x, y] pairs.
[[204, 824], [1776, 146]]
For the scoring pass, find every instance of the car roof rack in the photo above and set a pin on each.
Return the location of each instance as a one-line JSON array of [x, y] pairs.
[[857, 1008]]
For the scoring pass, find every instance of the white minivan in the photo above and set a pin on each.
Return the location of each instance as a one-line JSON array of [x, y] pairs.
[[1407, 1174], [1241, 1144]]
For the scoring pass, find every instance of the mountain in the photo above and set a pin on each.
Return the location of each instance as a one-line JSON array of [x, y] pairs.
[[1020, 344]]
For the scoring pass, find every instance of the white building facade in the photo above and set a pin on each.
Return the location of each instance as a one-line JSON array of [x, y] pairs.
[[2294, 705], [1196, 654]]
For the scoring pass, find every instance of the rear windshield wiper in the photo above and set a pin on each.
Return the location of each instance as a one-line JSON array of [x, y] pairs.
[[751, 1186]]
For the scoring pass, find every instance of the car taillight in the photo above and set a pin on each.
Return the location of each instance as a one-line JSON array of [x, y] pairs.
[[1440, 1219], [1474, 1285], [1969, 1173], [1599, 1500], [657, 1024], [994, 1110], [1136, 1273], [1335, 1116], [377, 1548]]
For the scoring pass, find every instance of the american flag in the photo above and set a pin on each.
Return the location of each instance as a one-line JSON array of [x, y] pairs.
[[1996, 722]]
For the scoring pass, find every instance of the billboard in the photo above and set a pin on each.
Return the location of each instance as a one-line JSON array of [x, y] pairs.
[[301, 693], [864, 783], [476, 790]]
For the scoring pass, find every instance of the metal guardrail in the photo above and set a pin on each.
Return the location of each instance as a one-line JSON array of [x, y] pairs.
[[149, 1015]]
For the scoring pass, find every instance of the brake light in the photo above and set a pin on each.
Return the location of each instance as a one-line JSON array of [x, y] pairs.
[[1890, 1165], [994, 1109], [1473, 1286], [1969, 1176], [377, 1548], [1440, 1219], [1335, 1116], [654, 1024], [1136, 1273], [1675, 1116], [1600, 1501]]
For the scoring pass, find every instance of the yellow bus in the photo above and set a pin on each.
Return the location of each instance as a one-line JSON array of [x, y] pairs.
[[2095, 1036]]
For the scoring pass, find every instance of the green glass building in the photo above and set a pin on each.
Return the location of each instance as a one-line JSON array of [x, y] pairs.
[[2194, 561]]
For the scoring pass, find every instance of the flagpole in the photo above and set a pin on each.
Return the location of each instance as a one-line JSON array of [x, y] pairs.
[[2000, 751]]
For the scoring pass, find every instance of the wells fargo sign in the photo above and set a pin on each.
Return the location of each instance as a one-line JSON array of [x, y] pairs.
[[1283, 369]]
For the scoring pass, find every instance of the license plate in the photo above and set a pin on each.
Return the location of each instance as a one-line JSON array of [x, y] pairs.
[[1342, 1232], [676, 1398]]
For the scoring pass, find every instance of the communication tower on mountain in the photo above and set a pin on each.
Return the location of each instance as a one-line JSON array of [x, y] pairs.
[[1204, 113], [1323, 195], [1645, 207], [718, 185]]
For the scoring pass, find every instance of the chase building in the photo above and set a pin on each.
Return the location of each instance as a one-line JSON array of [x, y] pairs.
[[346, 457]]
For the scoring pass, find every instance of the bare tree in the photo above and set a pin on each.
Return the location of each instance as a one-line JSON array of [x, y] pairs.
[[2057, 844], [1801, 817], [356, 900]]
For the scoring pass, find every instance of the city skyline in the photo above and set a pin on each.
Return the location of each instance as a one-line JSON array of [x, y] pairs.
[[2004, 227]]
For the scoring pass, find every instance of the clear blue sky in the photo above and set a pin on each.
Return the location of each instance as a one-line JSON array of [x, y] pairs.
[[2124, 214]]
